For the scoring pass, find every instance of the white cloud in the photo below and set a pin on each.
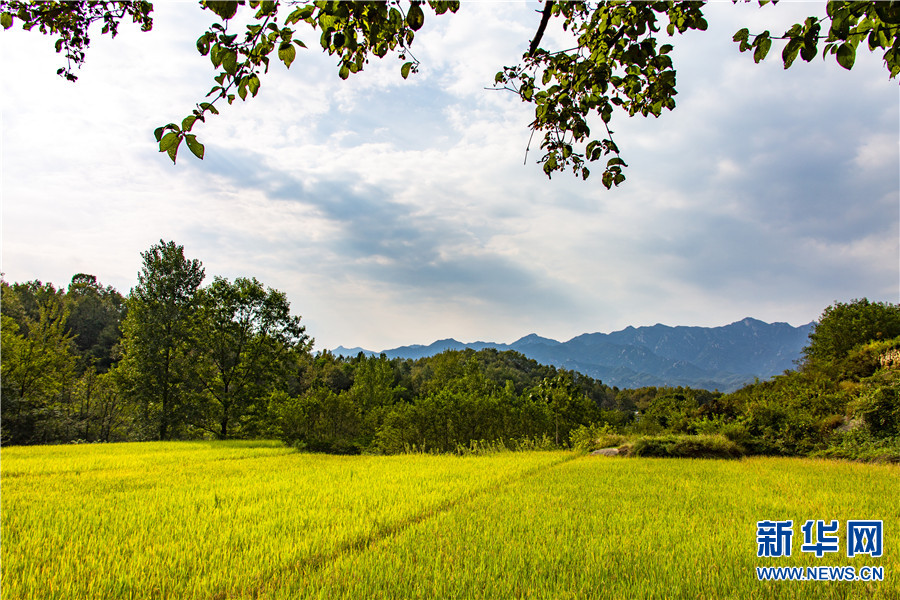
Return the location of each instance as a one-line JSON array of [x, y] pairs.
[[397, 211]]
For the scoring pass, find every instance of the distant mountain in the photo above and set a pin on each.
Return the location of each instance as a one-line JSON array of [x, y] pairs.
[[723, 358]]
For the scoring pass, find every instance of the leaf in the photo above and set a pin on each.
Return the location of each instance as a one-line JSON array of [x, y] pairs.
[[404, 70], [287, 53], [344, 72], [173, 151], [253, 84], [157, 133], [188, 122], [223, 9], [415, 18], [741, 35], [846, 56], [168, 140], [789, 54], [194, 146], [6, 20], [764, 43], [229, 62]]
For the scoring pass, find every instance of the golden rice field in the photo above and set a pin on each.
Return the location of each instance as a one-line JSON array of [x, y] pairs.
[[218, 520]]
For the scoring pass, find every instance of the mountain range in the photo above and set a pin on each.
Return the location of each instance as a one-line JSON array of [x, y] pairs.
[[722, 358]]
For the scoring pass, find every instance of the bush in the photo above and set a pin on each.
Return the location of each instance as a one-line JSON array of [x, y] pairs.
[[687, 446], [591, 437], [859, 444]]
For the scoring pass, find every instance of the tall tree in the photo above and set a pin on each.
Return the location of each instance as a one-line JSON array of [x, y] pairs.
[[157, 341], [244, 331]]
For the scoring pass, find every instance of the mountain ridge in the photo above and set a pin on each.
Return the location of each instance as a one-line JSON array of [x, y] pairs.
[[724, 357]]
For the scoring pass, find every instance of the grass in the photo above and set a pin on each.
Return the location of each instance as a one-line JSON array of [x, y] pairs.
[[255, 520]]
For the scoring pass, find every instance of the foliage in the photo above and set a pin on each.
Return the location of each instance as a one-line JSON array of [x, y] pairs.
[[157, 367], [72, 21], [37, 370], [844, 326], [859, 444], [587, 438], [615, 59], [686, 446], [95, 314], [243, 334]]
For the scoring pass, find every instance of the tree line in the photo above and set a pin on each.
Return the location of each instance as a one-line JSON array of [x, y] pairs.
[[179, 360]]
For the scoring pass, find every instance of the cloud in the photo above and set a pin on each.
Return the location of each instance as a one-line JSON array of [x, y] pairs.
[[399, 211]]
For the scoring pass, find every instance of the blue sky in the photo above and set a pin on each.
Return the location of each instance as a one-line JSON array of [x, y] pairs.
[[395, 212]]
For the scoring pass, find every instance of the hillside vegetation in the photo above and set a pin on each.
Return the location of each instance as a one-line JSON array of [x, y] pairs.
[[178, 360]]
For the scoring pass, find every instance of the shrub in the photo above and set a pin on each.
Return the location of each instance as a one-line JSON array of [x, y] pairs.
[[591, 437], [687, 446]]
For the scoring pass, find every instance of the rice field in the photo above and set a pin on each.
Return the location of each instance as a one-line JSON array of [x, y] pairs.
[[218, 520]]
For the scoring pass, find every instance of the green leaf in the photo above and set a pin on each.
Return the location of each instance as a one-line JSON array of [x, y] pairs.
[[188, 122], [173, 151], [223, 9], [404, 70], [789, 54], [168, 140], [741, 35], [287, 53], [762, 48], [194, 146], [344, 72], [157, 133], [415, 18], [6, 20], [253, 84], [808, 50], [229, 62], [846, 56]]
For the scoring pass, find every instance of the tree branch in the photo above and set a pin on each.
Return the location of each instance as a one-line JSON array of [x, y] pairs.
[[545, 18]]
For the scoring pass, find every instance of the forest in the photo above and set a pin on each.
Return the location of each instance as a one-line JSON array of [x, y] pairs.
[[176, 359]]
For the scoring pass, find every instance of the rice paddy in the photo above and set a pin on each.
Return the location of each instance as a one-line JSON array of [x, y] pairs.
[[219, 520]]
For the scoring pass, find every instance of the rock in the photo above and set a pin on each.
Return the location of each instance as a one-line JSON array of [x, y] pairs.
[[606, 452]]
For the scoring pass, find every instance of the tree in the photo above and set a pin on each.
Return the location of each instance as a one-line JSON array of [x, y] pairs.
[[158, 345], [37, 367], [615, 59], [243, 333], [844, 326], [95, 314]]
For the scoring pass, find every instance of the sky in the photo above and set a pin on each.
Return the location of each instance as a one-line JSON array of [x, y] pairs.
[[396, 211]]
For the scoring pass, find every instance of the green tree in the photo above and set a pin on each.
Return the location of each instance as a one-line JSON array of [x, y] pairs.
[[95, 316], [37, 369], [843, 326], [613, 60], [244, 332], [158, 347]]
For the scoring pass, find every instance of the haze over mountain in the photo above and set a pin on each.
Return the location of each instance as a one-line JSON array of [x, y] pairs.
[[723, 358]]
